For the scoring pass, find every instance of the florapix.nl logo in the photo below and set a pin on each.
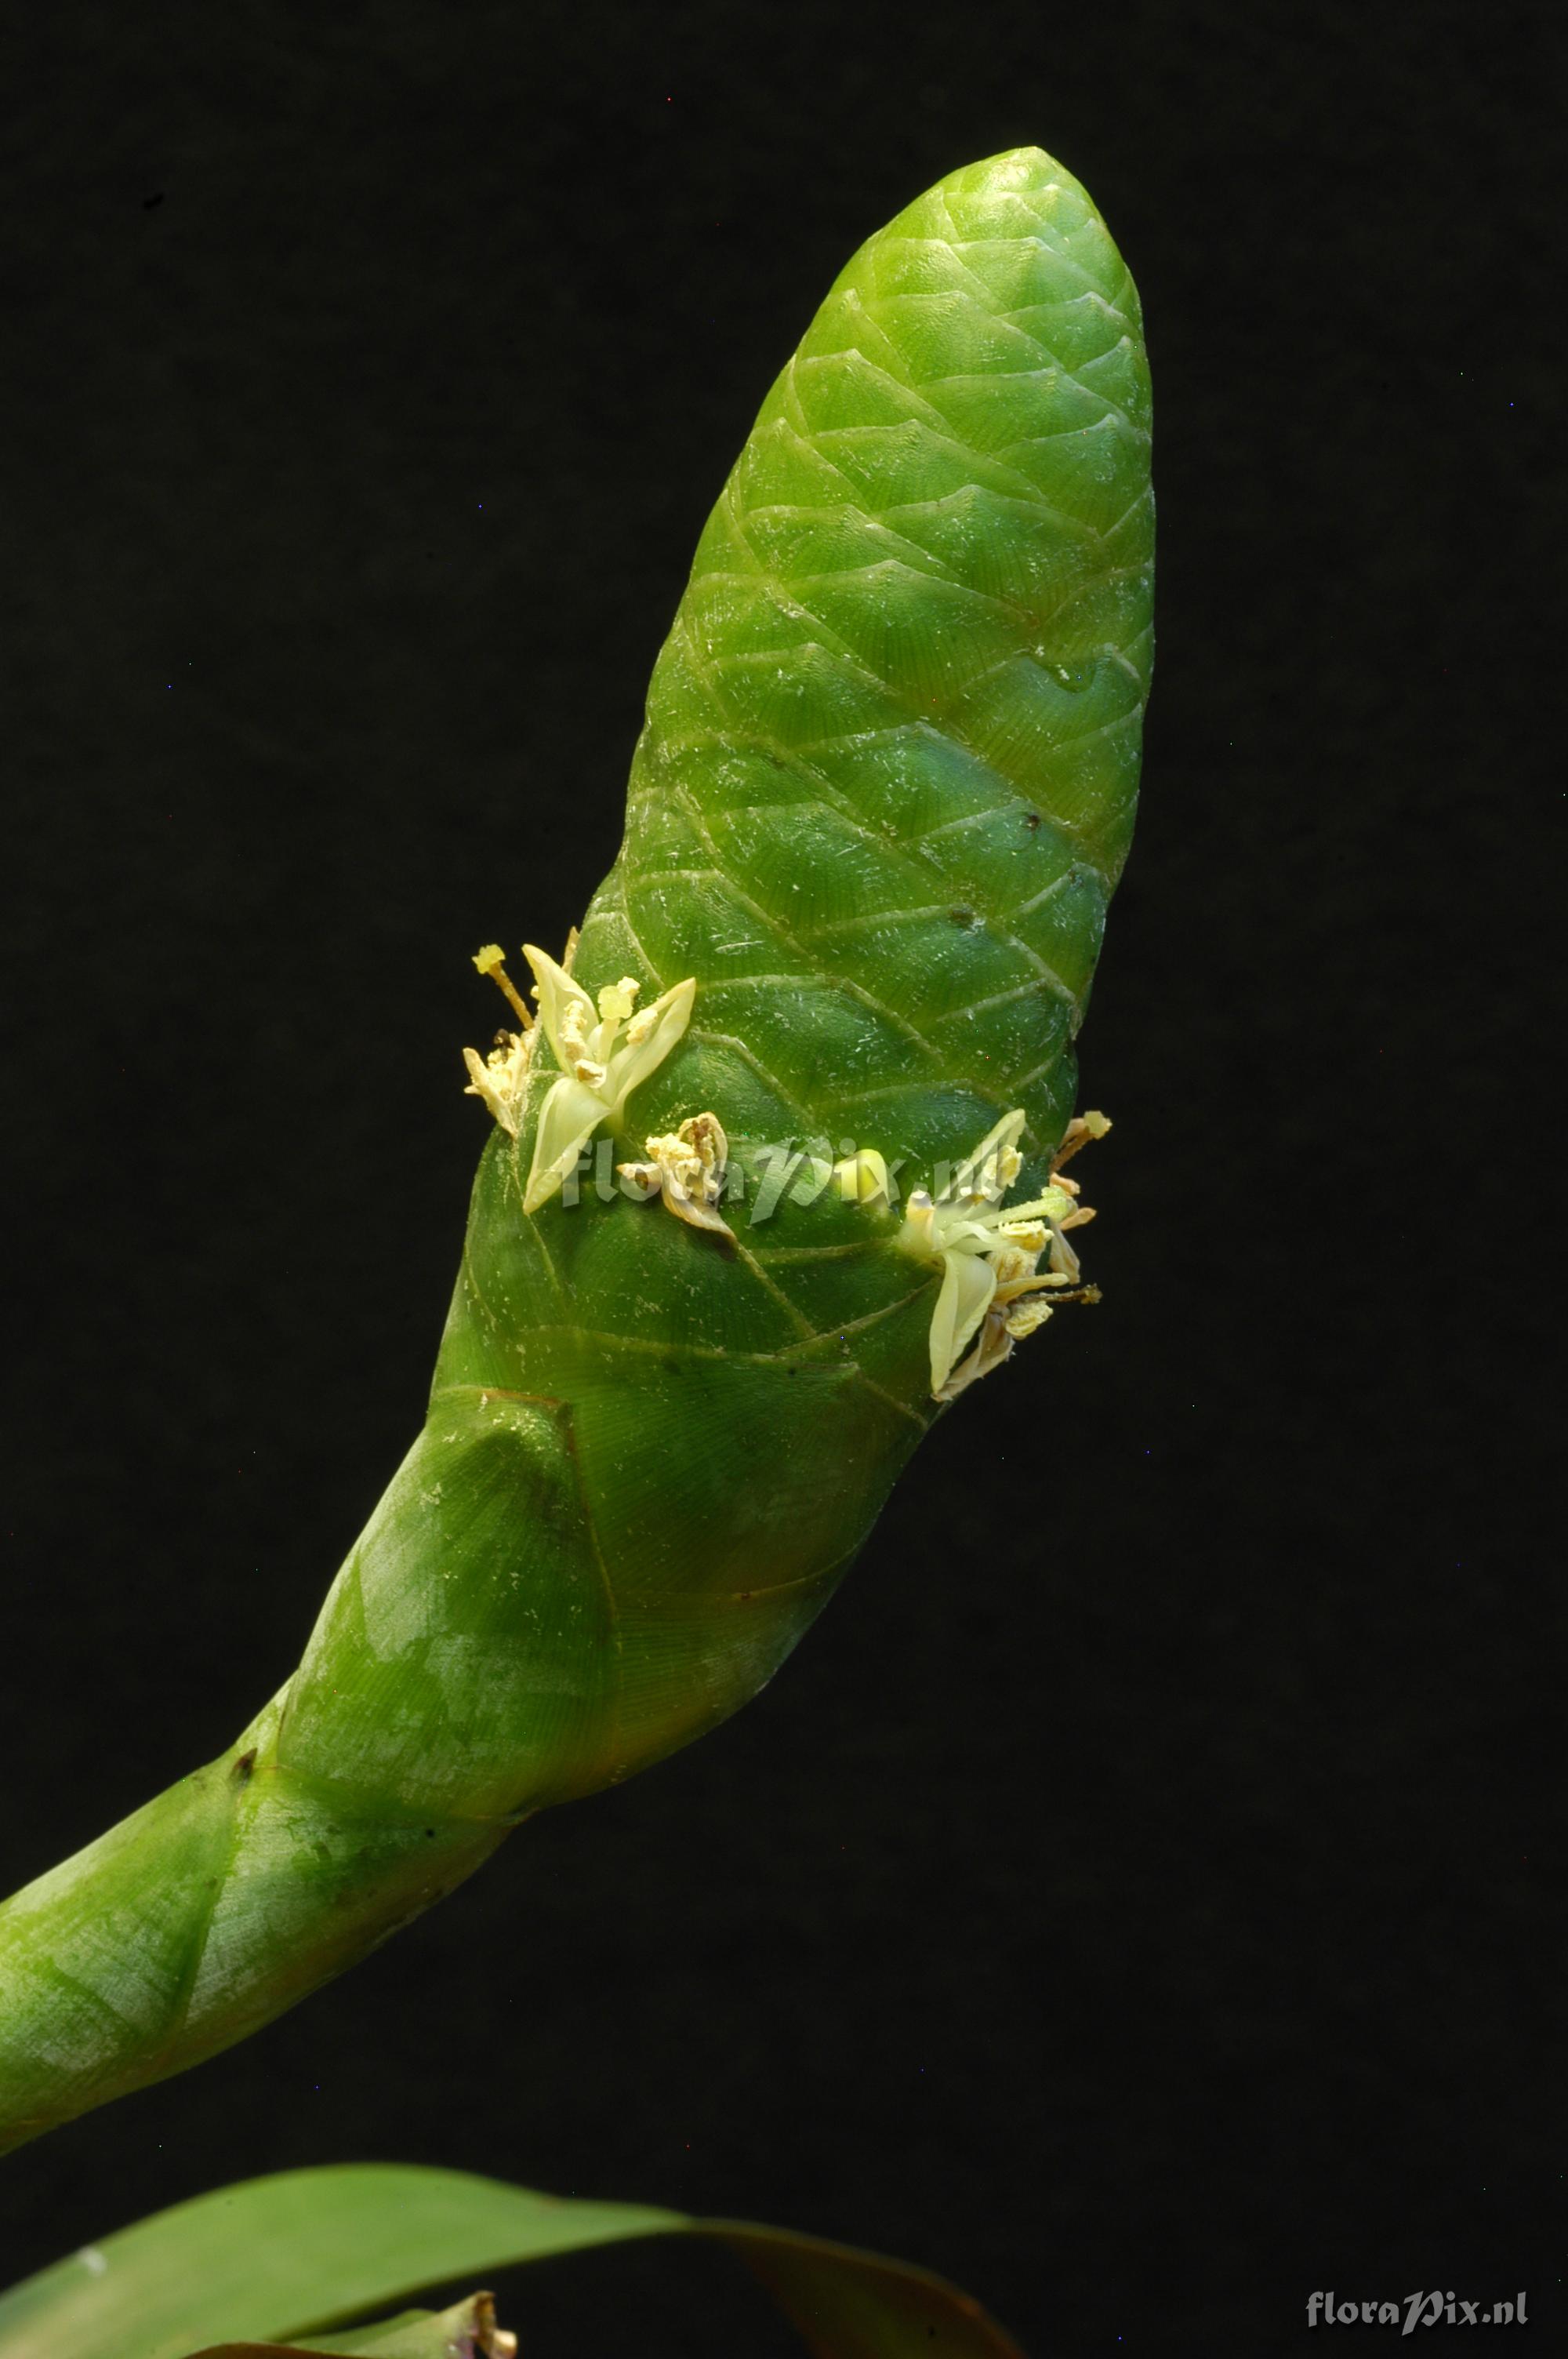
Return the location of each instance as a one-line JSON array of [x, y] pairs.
[[1416, 2309]]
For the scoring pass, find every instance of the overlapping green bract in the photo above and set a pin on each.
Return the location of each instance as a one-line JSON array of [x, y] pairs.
[[887, 780], [884, 790]]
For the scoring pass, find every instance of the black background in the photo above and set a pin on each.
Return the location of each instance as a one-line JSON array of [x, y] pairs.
[[1138, 1899]]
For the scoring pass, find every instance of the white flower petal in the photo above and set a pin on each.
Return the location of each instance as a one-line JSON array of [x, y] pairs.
[[556, 994], [632, 1063], [986, 1170], [695, 1211], [968, 1283], [569, 1114]]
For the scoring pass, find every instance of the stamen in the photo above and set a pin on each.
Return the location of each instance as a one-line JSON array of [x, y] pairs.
[[490, 962], [1078, 1133]]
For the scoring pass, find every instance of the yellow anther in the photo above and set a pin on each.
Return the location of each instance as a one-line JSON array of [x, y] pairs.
[[490, 960]]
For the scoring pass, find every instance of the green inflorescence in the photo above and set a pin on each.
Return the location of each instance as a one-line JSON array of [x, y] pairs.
[[823, 1009]]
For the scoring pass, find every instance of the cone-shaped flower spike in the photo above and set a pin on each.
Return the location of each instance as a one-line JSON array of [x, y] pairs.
[[884, 790]]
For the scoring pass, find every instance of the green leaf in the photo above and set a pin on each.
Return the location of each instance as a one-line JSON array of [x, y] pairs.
[[467, 2331], [273, 2260]]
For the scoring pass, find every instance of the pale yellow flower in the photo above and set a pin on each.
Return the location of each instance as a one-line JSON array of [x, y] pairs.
[[601, 1063], [686, 1166], [988, 1255]]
